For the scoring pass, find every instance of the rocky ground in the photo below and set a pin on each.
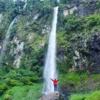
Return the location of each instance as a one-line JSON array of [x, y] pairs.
[[52, 96]]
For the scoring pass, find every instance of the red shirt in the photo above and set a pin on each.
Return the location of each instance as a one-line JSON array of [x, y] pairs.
[[55, 82]]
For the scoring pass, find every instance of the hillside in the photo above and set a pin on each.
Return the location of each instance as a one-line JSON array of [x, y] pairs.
[[22, 59]]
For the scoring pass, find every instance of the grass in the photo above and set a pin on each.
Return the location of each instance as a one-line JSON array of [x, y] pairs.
[[90, 96], [31, 92]]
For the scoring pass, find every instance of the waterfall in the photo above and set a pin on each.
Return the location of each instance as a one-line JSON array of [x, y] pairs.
[[50, 63], [7, 37]]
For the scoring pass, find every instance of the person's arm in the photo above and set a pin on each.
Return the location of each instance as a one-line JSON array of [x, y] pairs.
[[52, 79]]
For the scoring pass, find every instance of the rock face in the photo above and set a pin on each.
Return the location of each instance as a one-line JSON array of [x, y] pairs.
[[69, 11], [88, 8], [95, 53], [82, 7], [52, 96], [1, 16]]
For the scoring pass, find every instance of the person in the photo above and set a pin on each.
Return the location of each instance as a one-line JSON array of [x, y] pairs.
[[55, 83]]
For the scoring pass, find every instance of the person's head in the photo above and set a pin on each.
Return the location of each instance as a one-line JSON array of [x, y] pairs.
[[54, 78]]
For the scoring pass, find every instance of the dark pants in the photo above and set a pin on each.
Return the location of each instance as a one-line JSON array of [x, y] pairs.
[[55, 87]]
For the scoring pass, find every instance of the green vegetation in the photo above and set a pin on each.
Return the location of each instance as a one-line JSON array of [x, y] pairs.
[[88, 96], [74, 78], [27, 30], [82, 23], [80, 81], [31, 92], [66, 1], [18, 77], [74, 33]]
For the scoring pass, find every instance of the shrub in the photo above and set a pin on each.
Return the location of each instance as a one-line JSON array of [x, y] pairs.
[[7, 97], [82, 23], [3, 87], [14, 83], [27, 81], [75, 24], [93, 20]]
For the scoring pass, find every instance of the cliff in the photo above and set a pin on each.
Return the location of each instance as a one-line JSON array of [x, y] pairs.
[[78, 44]]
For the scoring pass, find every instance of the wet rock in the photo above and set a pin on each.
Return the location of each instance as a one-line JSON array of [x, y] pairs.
[[52, 96]]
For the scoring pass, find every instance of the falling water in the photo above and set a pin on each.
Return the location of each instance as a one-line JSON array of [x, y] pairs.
[[50, 64], [7, 39]]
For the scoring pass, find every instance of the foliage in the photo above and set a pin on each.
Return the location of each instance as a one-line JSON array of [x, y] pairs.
[[32, 92], [73, 78], [32, 62], [5, 5], [95, 95], [17, 77], [3, 88], [66, 64], [64, 52], [79, 81], [77, 30], [66, 1], [98, 4], [14, 83], [82, 23], [40, 5], [71, 31], [7, 97], [61, 38]]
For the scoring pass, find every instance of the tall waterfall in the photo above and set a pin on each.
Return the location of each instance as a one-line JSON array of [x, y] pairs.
[[50, 64], [7, 37]]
